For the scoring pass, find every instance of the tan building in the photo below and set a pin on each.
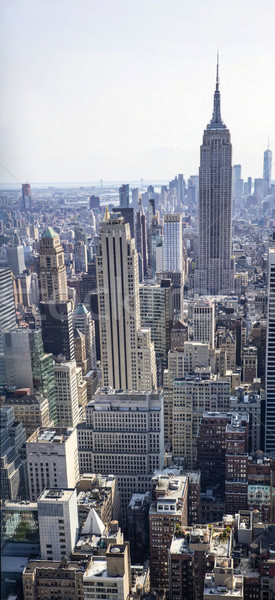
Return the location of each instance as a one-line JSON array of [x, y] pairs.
[[53, 278], [223, 582], [127, 353], [80, 351], [250, 364], [109, 576], [32, 410], [99, 492], [192, 396], [41, 577], [204, 322], [168, 510]]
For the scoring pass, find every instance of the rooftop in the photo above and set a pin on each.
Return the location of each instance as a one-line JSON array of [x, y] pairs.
[[56, 495], [47, 435], [49, 233]]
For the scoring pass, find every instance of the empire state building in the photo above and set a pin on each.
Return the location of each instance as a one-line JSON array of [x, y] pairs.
[[215, 274]]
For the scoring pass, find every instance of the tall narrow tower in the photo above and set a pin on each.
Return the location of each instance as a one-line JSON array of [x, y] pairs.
[[215, 274], [267, 170], [127, 353], [53, 278]]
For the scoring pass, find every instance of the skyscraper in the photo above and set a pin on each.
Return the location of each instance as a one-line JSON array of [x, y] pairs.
[[172, 231], [26, 196], [270, 358], [267, 170], [127, 353], [53, 278], [124, 195], [215, 274], [7, 315], [16, 260]]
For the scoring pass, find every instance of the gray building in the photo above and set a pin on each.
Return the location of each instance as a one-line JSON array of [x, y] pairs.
[[270, 358], [16, 259], [215, 274], [7, 315]]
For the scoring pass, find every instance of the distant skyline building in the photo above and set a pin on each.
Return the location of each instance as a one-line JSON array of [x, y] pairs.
[[124, 196], [267, 170], [215, 274], [26, 196], [270, 357], [53, 278]]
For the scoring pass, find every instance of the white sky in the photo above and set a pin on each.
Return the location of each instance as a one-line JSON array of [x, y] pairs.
[[122, 89]]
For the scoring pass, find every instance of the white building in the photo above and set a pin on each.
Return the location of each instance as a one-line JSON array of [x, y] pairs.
[[52, 460], [172, 231], [204, 322], [16, 259], [123, 435], [66, 388], [58, 523]]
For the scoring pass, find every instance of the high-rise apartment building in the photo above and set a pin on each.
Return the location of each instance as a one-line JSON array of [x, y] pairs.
[[168, 510], [172, 232], [267, 170], [127, 353], [58, 522], [53, 278], [204, 322], [192, 396], [270, 357], [123, 435], [52, 460], [67, 409], [215, 274], [16, 259], [7, 315]]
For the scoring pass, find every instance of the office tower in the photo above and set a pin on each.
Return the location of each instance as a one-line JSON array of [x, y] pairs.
[[178, 335], [58, 522], [80, 257], [129, 215], [156, 312], [141, 240], [80, 351], [226, 341], [236, 461], [13, 437], [257, 337], [258, 188], [133, 448], [172, 232], [155, 247], [124, 195], [135, 197], [215, 274], [138, 527], [82, 320], [167, 512], [53, 278], [57, 328], [16, 260], [26, 196], [52, 460], [94, 203], [250, 364], [65, 378], [267, 170], [28, 366], [270, 357], [127, 353], [7, 315], [26, 290], [192, 396], [204, 322], [237, 182]]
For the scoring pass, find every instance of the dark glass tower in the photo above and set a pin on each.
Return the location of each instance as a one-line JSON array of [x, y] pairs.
[[216, 273]]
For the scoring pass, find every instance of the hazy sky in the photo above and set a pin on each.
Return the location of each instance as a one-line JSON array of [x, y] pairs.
[[122, 89]]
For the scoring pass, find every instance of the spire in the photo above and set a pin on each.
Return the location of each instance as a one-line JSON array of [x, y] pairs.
[[216, 121], [106, 217]]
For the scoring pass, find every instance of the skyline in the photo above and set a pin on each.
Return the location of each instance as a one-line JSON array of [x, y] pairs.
[[123, 93]]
